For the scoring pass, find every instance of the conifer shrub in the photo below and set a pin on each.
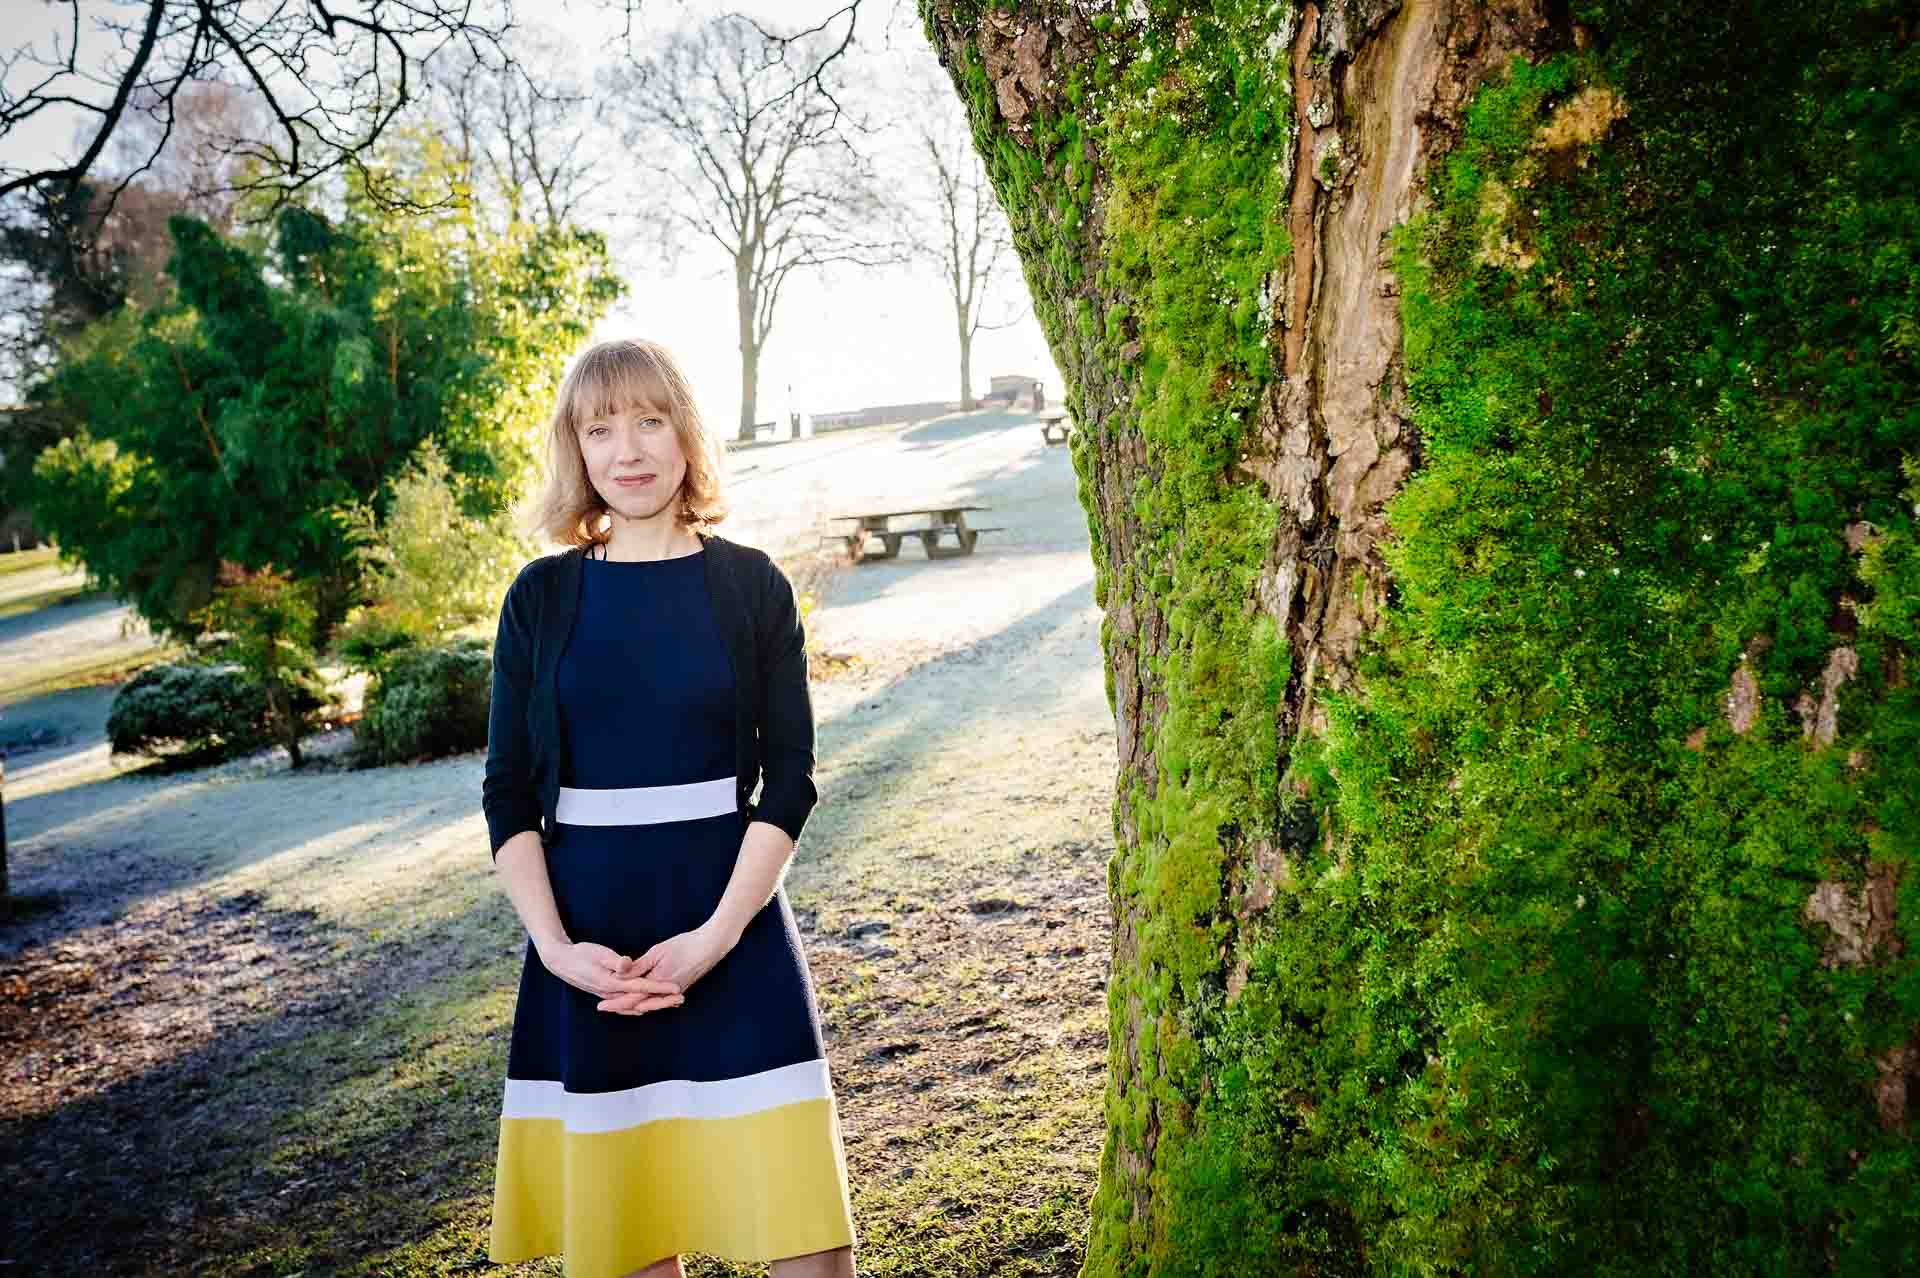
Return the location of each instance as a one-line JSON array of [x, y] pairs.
[[428, 701], [198, 710]]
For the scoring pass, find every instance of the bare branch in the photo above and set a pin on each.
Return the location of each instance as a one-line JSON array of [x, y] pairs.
[[521, 127], [332, 77], [12, 111]]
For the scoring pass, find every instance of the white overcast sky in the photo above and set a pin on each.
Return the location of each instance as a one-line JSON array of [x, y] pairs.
[[840, 340]]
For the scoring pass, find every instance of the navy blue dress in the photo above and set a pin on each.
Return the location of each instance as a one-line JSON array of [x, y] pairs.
[[706, 1127]]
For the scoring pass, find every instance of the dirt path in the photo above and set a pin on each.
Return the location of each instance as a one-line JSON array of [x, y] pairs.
[[275, 981]]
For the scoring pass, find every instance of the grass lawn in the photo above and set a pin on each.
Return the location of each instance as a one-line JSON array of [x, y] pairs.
[[295, 1069]]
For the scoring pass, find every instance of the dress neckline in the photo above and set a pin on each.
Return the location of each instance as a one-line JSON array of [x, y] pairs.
[[672, 559]]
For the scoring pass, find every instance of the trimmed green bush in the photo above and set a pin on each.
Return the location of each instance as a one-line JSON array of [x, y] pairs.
[[202, 710], [427, 702]]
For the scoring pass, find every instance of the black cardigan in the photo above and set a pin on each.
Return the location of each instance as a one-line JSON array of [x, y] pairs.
[[773, 716]]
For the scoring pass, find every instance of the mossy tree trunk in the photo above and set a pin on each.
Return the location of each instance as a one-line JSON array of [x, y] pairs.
[[1491, 429]]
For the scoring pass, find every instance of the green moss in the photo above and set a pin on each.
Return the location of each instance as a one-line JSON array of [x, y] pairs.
[[1536, 992], [1562, 1008], [1193, 143]]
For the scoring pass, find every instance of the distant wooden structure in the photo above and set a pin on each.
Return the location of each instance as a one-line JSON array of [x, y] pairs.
[[874, 526], [1053, 428], [1009, 389]]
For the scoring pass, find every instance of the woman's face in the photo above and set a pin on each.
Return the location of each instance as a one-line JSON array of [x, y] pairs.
[[620, 446]]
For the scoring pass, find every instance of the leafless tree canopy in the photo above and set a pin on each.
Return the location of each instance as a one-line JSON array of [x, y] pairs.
[[949, 217], [194, 164], [519, 131], [70, 255], [743, 132], [329, 77]]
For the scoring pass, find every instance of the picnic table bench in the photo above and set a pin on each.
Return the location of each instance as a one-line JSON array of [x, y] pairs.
[[874, 526], [1052, 425]]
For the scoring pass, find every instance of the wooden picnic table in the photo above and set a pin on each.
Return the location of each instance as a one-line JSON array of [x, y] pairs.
[[1051, 426], [870, 526]]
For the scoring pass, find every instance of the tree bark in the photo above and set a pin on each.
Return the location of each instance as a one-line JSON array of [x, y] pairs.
[[1518, 887], [1377, 86]]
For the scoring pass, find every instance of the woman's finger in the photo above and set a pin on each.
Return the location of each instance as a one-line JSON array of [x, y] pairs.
[[596, 981], [644, 985], [619, 993], [635, 1004]]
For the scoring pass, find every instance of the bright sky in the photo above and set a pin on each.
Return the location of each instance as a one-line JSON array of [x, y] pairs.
[[840, 340]]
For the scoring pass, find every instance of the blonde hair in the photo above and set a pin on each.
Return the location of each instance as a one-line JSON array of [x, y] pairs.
[[606, 377]]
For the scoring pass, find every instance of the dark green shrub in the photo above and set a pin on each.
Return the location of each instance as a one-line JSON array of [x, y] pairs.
[[427, 702], [372, 636], [202, 710]]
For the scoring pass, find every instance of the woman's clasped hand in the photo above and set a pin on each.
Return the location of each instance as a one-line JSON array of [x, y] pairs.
[[680, 960], [589, 966], [651, 982]]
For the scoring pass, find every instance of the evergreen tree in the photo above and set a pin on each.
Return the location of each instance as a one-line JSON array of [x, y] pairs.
[[244, 418]]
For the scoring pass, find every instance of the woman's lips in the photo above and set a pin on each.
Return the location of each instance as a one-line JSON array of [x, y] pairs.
[[634, 483]]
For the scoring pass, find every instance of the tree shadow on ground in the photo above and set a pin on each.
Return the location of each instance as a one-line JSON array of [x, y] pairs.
[[301, 1114], [338, 1095], [944, 430], [113, 818]]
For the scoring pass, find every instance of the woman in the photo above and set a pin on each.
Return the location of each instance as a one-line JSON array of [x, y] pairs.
[[667, 1088]]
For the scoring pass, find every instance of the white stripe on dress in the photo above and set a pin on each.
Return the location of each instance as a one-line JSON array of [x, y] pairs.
[[671, 1098], [646, 804]]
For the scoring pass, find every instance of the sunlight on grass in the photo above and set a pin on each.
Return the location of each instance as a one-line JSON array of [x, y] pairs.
[[82, 671], [14, 561], [23, 604]]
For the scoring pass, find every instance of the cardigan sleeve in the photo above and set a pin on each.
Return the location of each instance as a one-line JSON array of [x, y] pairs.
[[507, 793], [787, 793]]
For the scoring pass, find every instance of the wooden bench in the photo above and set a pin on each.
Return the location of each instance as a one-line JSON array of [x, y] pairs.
[[1053, 428], [875, 526]]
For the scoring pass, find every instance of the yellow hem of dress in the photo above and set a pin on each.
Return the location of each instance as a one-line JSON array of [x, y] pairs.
[[750, 1189]]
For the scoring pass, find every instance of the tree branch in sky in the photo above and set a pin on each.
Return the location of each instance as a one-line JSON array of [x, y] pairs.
[[331, 77], [737, 132]]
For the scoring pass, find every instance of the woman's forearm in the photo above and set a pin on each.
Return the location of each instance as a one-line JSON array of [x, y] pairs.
[[522, 866], [764, 853]]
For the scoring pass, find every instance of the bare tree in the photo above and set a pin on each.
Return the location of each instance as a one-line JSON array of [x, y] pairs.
[[746, 126], [950, 217], [330, 78], [70, 255], [519, 131], [182, 147]]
